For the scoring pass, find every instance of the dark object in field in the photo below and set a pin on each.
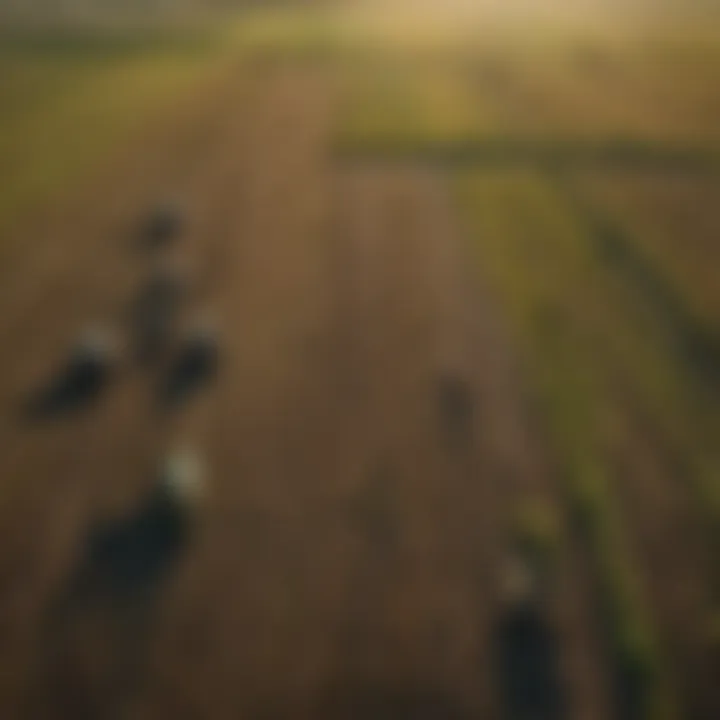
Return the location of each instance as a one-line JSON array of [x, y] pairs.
[[114, 598], [81, 380], [164, 224], [134, 552], [457, 407], [114, 595], [195, 365], [155, 312], [128, 558], [527, 666], [526, 650]]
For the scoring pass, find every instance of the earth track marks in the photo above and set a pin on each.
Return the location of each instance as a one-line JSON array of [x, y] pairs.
[[349, 552], [102, 459]]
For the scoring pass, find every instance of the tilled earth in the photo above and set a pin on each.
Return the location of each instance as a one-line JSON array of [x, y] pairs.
[[366, 438]]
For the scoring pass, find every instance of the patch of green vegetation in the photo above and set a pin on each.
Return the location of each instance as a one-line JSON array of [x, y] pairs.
[[671, 219], [713, 635], [679, 389], [456, 147], [288, 34], [637, 663], [456, 102], [65, 43], [697, 347], [622, 327], [393, 103], [534, 255], [69, 99], [535, 530]]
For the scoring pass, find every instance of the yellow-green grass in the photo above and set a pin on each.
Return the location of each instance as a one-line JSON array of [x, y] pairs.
[[567, 281], [67, 101], [571, 92], [532, 251], [285, 31], [674, 220], [677, 78], [536, 534], [655, 90], [406, 81], [408, 100], [624, 337], [671, 381]]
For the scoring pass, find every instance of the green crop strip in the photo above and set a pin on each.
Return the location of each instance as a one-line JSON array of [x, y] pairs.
[[527, 247]]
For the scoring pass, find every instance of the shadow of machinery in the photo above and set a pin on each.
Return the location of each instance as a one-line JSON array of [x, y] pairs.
[[75, 387], [526, 665], [99, 627], [195, 366], [128, 558]]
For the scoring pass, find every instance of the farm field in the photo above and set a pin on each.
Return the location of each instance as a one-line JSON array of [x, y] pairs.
[[463, 437]]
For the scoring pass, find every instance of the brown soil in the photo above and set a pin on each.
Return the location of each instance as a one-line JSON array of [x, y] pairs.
[[366, 437]]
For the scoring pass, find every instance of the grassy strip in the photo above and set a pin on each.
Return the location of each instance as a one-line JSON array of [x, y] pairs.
[[527, 254], [690, 358], [535, 533], [672, 221], [62, 43], [68, 103], [546, 153], [696, 346], [516, 105], [286, 34], [635, 659]]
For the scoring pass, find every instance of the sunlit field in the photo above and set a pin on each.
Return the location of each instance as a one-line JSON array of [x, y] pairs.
[[69, 97], [466, 260]]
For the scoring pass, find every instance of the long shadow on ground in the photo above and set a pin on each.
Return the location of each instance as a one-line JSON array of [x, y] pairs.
[[76, 386], [112, 594], [527, 674], [194, 367]]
